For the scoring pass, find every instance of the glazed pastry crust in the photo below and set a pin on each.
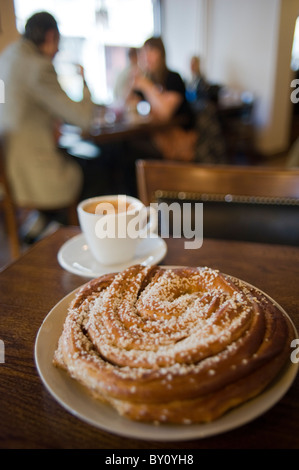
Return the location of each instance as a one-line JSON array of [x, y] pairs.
[[180, 345]]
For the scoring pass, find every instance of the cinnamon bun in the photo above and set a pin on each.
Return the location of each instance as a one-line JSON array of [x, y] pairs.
[[181, 345]]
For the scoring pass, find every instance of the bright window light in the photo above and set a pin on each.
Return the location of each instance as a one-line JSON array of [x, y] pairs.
[[95, 34], [295, 50]]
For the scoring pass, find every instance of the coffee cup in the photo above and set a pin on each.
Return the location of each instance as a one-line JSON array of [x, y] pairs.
[[114, 225]]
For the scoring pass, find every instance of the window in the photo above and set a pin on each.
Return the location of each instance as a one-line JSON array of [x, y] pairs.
[[97, 35], [295, 49]]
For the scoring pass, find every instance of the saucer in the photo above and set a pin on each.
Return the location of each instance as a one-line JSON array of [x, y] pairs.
[[75, 256]]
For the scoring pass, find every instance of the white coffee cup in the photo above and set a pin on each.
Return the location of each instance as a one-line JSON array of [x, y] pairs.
[[114, 225]]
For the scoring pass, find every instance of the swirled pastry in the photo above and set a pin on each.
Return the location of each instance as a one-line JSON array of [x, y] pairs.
[[180, 345]]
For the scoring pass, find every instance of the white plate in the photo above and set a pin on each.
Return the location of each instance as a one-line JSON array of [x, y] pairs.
[[75, 256], [74, 398]]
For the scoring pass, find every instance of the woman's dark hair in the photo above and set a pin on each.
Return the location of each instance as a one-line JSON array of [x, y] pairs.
[[38, 25], [159, 76], [156, 43]]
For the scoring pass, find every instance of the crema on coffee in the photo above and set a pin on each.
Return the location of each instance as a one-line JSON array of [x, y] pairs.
[[107, 207]]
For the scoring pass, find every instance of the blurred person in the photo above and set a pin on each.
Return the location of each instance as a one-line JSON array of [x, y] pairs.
[[165, 91], [124, 79], [210, 147], [197, 136], [163, 88], [197, 88], [40, 175]]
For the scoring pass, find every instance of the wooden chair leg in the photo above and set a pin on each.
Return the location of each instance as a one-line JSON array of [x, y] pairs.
[[72, 214], [12, 230]]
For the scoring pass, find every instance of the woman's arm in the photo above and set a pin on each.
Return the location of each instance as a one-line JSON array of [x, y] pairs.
[[163, 103], [47, 91]]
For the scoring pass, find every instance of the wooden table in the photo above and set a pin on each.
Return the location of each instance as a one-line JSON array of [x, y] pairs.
[[122, 130], [31, 286], [127, 129]]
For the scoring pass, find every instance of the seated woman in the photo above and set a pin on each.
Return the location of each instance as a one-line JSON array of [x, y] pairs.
[[165, 91]]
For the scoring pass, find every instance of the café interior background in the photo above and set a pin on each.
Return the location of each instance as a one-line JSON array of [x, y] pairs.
[[246, 46]]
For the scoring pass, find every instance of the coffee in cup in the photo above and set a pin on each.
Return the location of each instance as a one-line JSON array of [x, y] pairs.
[[114, 225], [106, 206]]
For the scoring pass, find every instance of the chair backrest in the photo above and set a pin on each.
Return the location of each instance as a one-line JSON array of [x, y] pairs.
[[242, 203]]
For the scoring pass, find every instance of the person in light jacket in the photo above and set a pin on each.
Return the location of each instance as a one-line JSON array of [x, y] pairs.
[[40, 175]]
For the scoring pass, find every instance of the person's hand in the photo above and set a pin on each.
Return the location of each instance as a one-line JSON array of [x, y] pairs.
[[142, 83], [80, 71]]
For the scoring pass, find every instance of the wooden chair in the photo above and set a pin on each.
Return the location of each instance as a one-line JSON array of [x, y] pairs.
[[10, 208], [242, 203]]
